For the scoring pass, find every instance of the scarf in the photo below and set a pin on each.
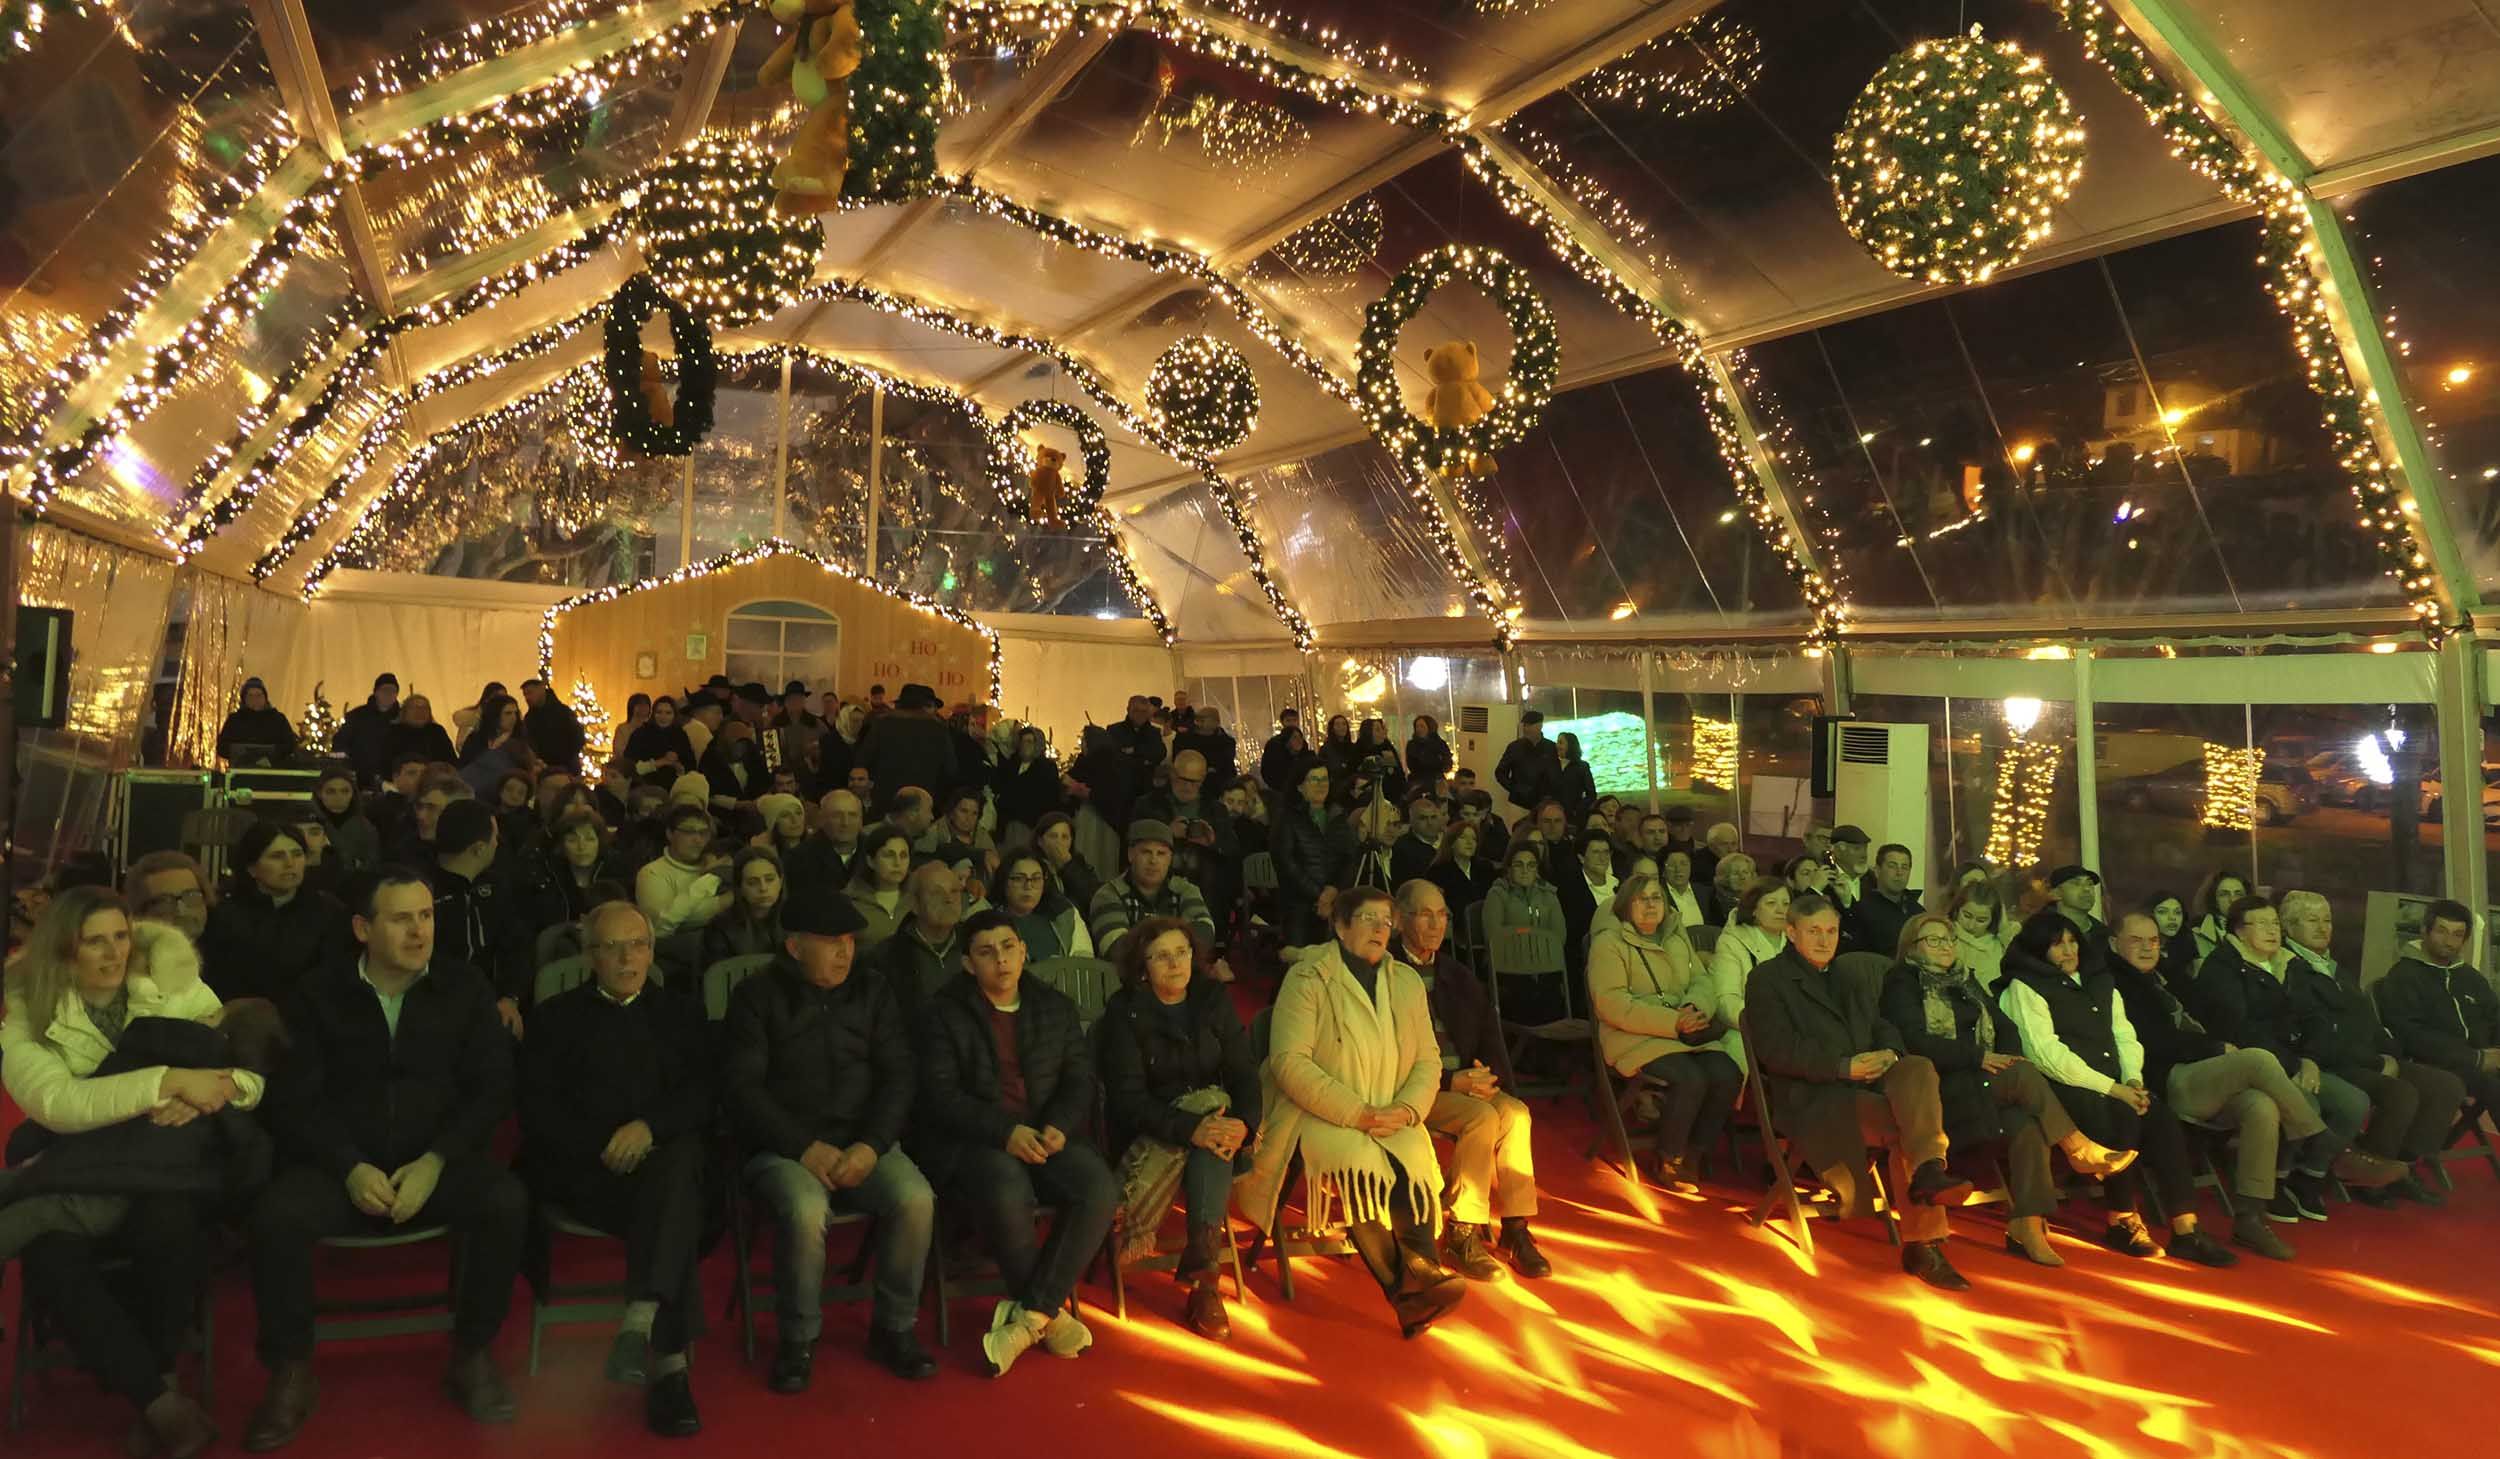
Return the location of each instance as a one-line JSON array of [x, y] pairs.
[[1344, 1166], [1936, 988], [1150, 1176]]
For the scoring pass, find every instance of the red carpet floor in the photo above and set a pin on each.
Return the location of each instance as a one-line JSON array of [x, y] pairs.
[[1669, 1327]]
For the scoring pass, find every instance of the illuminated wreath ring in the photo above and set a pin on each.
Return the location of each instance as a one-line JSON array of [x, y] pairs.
[[1954, 159], [1007, 460], [1535, 359], [698, 372]]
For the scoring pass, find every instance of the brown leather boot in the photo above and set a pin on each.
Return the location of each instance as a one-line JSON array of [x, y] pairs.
[[1205, 1313], [180, 1427], [476, 1384], [292, 1395]]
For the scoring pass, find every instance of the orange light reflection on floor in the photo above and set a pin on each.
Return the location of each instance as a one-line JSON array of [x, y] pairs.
[[1156, 1330], [1616, 1347], [1241, 1427], [2186, 1296], [1935, 1391], [1498, 1362], [1765, 1305], [2369, 1286], [1635, 1304], [1520, 1435]]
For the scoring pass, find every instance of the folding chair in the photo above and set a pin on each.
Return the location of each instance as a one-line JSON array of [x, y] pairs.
[[1310, 1242], [723, 977], [1088, 982], [2471, 1120], [1616, 1093], [1163, 1260], [36, 1353], [554, 1304], [561, 976], [846, 1284], [1783, 1177], [1705, 940], [1534, 952], [558, 942], [349, 1321]]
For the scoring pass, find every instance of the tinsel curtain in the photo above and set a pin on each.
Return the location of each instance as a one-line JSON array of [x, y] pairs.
[[226, 640], [119, 600]]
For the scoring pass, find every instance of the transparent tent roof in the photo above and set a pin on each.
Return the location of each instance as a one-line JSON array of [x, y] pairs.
[[2122, 427]]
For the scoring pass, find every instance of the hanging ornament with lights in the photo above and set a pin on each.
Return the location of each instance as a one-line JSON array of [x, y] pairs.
[[1954, 159], [1328, 254], [1028, 482], [320, 724], [704, 221], [1692, 70], [698, 373], [816, 59], [898, 95], [1248, 136], [590, 422], [2018, 812], [1203, 395], [598, 728], [22, 20], [2231, 773], [1468, 426]]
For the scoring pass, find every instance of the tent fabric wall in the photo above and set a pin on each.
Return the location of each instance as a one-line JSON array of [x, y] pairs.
[[232, 631], [443, 637], [1059, 672]]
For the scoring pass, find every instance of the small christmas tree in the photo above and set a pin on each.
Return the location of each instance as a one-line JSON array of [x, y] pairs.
[[597, 729], [321, 724]]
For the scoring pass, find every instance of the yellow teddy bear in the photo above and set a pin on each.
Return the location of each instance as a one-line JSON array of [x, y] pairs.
[[1457, 400], [816, 58], [1048, 493]]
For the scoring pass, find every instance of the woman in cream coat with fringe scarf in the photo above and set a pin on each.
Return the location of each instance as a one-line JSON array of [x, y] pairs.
[[1351, 1071]]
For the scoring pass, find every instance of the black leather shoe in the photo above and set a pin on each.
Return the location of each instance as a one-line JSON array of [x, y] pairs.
[[2201, 1249], [476, 1384], [2129, 1239], [794, 1363], [900, 1351], [2409, 1187], [1925, 1261], [1519, 1244], [1933, 1185], [2308, 1193], [1463, 1249], [292, 1396], [668, 1407]]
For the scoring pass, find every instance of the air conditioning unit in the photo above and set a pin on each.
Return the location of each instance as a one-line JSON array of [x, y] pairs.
[[1484, 732], [1880, 785]]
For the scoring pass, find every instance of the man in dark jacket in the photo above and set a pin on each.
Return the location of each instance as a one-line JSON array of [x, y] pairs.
[[1875, 923], [257, 732], [1120, 763], [555, 735], [817, 1077], [2441, 1007], [1206, 848], [1839, 1082], [821, 866], [1530, 769], [1411, 855], [911, 745], [2413, 1105], [926, 952], [616, 1097], [397, 1074], [364, 734], [1492, 1170], [1006, 1094], [479, 921], [1202, 730], [1276, 760]]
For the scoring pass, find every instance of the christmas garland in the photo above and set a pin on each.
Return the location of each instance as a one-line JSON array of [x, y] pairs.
[[1007, 460], [705, 223], [896, 97], [1954, 159], [1535, 360], [1203, 394], [697, 371]]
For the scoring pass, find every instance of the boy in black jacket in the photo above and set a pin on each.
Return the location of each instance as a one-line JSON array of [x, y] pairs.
[[1006, 1085], [397, 1074]]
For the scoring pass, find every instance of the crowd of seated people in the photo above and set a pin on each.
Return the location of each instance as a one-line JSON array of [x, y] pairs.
[[349, 1037]]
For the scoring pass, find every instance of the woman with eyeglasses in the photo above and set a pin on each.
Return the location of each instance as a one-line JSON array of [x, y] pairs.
[[1658, 1015], [1180, 1084], [269, 931], [1992, 1096], [1050, 924], [1524, 910], [1351, 1075]]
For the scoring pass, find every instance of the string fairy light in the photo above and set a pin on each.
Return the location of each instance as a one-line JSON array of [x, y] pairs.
[[2231, 786], [704, 221], [1330, 252], [1203, 394], [2018, 811], [698, 372], [1714, 752], [769, 548], [1008, 460], [1698, 68], [1954, 159]]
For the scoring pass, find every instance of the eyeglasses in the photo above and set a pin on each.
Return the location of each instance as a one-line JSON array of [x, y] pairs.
[[1940, 938], [623, 945], [1373, 922], [185, 902], [1025, 879]]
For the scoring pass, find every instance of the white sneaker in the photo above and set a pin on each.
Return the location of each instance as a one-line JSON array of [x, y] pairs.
[[1066, 1337], [1008, 1339]]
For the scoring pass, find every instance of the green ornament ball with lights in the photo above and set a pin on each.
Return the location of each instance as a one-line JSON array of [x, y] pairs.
[[1203, 394], [1955, 158], [704, 222]]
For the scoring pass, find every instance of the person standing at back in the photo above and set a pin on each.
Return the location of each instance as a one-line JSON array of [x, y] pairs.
[[1530, 769]]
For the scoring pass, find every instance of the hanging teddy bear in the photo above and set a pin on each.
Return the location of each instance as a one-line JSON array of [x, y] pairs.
[[1457, 400], [1046, 491], [817, 59], [656, 399]]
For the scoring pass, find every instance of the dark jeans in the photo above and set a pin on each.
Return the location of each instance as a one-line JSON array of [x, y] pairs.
[[658, 1209], [125, 1327], [1002, 1193], [1207, 1185], [895, 1195], [2412, 1110], [2156, 1133], [485, 1205], [1701, 1091]]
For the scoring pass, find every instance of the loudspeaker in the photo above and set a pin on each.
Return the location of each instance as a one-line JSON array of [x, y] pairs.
[[153, 805], [41, 700]]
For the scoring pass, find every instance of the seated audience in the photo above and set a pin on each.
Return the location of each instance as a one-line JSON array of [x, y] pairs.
[[2075, 893], [1351, 1075], [1206, 845], [683, 887], [1806, 875], [876, 885], [479, 921], [78, 1053], [2212, 911], [268, 933], [1028, 786], [1675, 876], [785, 825], [1729, 876], [2441, 1008], [2075, 1028], [616, 1099], [578, 862], [2179, 957], [1460, 869], [1524, 902], [417, 733], [379, 1131], [415, 843], [2412, 1105], [1050, 924], [1148, 889], [1181, 1089], [1840, 1081], [926, 951], [753, 922], [354, 844], [1658, 1014], [170, 887], [1849, 872], [1876, 920], [1750, 941], [817, 1076], [1492, 1162], [1006, 1098], [959, 831], [1411, 856], [256, 732], [1980, 932], [1993, 1097], [658, 751], [1314, 846]]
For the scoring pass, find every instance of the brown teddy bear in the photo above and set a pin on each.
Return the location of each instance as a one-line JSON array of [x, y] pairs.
[[1047, 493], [655, 396], [1457, 400], [816, 58]]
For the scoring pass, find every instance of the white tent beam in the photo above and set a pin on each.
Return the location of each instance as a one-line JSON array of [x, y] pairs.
[[1610, 45]]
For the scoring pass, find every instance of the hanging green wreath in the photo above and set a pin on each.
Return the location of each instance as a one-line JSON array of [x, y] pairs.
[[1954, 159], [703, 219], [1203, 395], [1535, 360], [897, 97], [698, 372], [1008, 461]]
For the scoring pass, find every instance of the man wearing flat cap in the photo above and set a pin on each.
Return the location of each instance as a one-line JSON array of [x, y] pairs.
[[1147, 889], [818, 1078], [1848, 866]]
